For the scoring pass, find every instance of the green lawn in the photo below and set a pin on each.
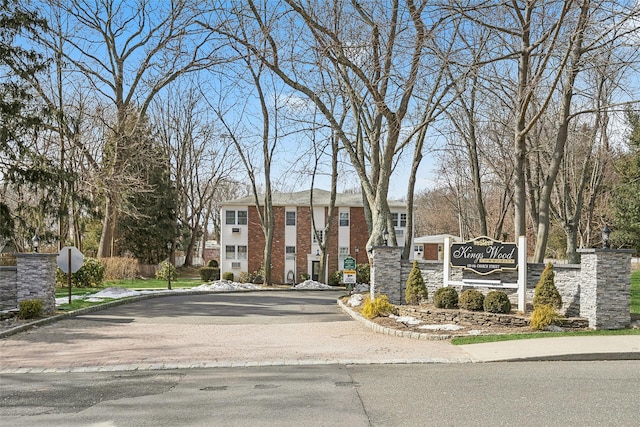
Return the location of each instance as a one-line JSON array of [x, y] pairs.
[[635, 310], [477, 339]]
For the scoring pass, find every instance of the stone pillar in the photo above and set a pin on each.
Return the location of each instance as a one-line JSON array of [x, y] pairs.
[[605, 287], [36, 279], [386, 277], [8, 289]]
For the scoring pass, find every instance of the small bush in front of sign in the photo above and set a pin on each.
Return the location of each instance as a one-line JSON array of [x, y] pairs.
[[546, 292], [497, 302], [416, 290], [91, 274], [543, 316], [335, 278], [472, 300], [445, 298]]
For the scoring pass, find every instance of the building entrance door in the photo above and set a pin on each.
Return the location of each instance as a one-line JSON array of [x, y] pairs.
[[315, 270]]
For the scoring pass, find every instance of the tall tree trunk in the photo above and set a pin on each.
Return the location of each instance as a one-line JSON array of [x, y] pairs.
[[105, 249], [544, 209]]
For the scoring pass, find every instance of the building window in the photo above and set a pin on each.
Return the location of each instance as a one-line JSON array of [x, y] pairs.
[[242, 252], [418, 248], [343, 252], [230, 252], [290, 252], [290, 218], [235, 252], [320, 235], [231, 218], [399, 220], [344, 219], [236, 218]]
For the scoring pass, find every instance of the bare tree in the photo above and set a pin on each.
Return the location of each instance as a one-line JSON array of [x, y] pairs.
[[199, 160], [127, 53], [377, 54]]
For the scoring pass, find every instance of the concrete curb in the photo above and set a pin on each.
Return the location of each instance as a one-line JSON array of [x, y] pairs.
[[390, 331]]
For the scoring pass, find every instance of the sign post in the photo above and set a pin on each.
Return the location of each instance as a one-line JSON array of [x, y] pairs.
[[70, 260], [349, 272]]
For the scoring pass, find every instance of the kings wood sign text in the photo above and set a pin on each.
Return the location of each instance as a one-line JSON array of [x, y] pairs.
[[484, 255]]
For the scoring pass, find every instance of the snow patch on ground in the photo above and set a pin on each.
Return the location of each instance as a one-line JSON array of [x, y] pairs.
[[407, 320], [226, 286], [361, 287], [355, 300], [312, 284]]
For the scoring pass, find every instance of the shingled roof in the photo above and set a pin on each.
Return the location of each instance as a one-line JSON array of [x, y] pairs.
[[301, 198]]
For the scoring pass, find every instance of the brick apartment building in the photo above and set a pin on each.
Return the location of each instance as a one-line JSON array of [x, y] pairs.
[[295, 250]]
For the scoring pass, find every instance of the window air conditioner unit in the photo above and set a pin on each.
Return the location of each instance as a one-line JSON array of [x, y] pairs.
[[235, 230], [235, 265]]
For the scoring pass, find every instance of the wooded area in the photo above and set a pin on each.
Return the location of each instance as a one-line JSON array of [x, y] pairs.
[[125, 124]]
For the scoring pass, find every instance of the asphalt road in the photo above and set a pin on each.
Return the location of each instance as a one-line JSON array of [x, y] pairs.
[[214, 330], [491, 394], [284, 359]]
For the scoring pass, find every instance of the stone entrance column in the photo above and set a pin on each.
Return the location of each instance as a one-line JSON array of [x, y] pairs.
[[605, 287], [36, 279]]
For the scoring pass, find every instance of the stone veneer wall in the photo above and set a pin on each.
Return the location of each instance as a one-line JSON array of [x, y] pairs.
[[598, 289], [34, 277], [606, 288], [8, 288]]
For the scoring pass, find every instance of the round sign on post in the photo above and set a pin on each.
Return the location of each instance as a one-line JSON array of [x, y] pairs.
[[70, 257]]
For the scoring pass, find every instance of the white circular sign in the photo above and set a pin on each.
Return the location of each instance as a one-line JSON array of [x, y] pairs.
[[70, 252]]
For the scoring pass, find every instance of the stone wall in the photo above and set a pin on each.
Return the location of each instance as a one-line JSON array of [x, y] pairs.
[[598, 289], [34, 277]]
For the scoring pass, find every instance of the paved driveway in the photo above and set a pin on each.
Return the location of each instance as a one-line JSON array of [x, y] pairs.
[[235, 329]]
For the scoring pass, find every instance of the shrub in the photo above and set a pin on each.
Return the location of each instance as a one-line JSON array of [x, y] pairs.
[[90, 274], [445, 298], [304, 276], [472, 300], [30, 309], [209, 274], [166, 270], [380, 306], [363, 273], [416, 290], [246, 277], [543, 316], [213, 263], [546, 292], [335, 278], [117, 268], [227, 275], [497, 302]]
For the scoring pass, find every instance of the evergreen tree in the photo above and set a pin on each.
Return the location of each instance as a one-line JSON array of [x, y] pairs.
[[148, 220], [546, 292], [416, 289], [19, 117], [626, 196]]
